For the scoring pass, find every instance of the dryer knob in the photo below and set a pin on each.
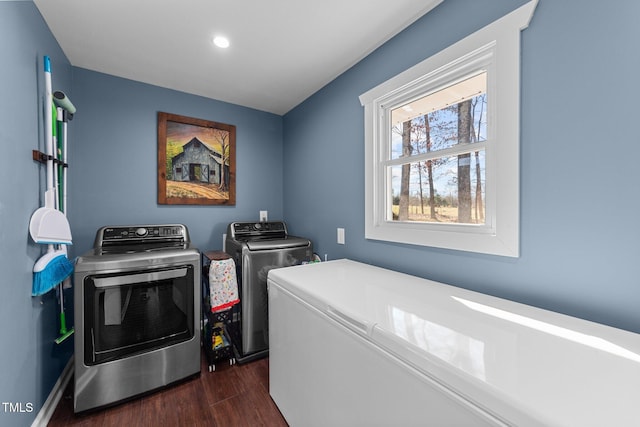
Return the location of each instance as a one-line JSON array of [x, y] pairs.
[[141, 232]]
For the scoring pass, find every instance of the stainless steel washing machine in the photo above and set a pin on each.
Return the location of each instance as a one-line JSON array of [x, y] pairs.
[[137, 313], [258, 247]]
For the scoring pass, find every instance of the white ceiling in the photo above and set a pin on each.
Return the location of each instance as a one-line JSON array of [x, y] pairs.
[[281, 52]]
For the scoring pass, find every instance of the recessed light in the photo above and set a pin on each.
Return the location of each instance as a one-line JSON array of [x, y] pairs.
[[221, 42]]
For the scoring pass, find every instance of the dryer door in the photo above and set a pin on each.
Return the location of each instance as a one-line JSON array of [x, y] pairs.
[[134, 312]]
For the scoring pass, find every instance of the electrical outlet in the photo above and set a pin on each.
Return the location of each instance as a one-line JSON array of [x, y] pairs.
[[264, 216], [341, 236]]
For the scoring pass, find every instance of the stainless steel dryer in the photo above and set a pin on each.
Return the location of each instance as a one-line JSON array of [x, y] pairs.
[[256, 248], [137, 313]]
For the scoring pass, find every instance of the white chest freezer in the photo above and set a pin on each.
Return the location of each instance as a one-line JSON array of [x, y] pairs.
[[357, 345]]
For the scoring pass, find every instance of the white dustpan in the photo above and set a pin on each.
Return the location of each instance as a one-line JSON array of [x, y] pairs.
[[48, 225]]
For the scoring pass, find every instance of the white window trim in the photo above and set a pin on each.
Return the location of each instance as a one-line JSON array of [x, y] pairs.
[[500, 40]]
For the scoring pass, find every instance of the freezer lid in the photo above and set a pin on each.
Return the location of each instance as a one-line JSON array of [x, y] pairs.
[[529, 366]]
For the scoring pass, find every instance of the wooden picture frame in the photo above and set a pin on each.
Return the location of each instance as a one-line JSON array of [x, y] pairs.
[[196, 161]]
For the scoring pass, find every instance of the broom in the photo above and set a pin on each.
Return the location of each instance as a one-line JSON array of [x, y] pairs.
[[53, 267]]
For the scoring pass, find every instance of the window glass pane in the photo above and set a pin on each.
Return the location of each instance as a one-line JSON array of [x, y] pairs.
[[442, 190], [456, 114]]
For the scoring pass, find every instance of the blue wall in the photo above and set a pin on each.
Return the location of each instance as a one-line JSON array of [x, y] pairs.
[[30, 361], [579, 153], [113, 160]]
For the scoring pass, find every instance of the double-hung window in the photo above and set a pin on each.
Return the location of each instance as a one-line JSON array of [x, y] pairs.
[[442, 146]]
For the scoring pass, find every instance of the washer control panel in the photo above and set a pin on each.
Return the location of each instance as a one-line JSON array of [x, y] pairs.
[[244, 230], [130, 233]]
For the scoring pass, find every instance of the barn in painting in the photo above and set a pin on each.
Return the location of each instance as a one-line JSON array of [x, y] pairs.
[[198, 163]]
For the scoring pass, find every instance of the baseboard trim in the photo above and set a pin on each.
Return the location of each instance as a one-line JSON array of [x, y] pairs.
[[49, 407]]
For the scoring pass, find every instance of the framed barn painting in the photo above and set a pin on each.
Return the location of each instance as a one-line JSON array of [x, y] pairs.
[[196, 161]]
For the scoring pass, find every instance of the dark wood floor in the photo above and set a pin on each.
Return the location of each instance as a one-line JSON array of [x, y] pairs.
[[231, 396]]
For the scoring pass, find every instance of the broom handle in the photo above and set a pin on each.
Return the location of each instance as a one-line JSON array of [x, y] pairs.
[[59, 176], [64, 161], [54, 153], [48, 119], [59, 173], [63, 154], [63, 323]]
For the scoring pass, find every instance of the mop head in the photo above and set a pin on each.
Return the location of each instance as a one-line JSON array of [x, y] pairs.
[[50, 270], [64, 332], [64, 336]]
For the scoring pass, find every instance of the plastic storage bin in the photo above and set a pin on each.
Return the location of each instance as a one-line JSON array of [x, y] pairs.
[[216, 341]]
